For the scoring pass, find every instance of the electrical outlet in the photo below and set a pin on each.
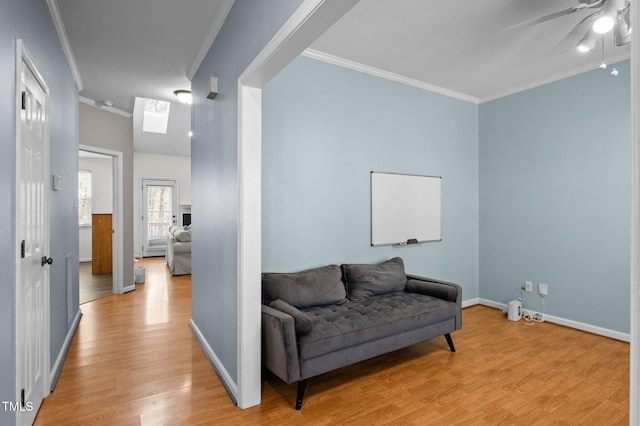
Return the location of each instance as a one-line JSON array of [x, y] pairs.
[[528, 286], [543, 289]]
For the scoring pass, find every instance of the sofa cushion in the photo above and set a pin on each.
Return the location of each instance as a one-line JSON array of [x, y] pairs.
[[302, 321], [442, 291], [182, 235], [340, 326], [369, 280], [312, 287]]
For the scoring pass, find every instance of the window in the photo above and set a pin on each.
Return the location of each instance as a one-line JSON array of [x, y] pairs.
[[84, 197], [156, 116]]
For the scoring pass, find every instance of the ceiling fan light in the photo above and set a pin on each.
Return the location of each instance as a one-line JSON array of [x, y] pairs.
[[184, 96], [622, 33], [603, 24]]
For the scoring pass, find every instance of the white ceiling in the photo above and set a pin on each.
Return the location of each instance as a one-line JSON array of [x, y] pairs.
[[149, 48], [463, 46]]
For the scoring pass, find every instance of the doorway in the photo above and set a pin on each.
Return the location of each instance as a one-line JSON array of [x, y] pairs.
[[95, 217], [117, 202], [159, 211]]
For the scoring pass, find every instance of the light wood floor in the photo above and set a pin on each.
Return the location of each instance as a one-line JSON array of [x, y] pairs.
[[134, 361], [93, 287]]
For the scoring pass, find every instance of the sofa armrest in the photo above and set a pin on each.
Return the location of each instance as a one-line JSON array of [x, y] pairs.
[[279, 344], [437, 288]]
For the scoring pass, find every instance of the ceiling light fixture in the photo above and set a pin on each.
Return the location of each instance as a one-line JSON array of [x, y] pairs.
[[603, 24], [588, 42], [184, 96], [622, 32]]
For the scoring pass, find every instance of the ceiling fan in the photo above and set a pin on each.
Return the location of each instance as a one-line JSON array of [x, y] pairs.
[[606, 15]]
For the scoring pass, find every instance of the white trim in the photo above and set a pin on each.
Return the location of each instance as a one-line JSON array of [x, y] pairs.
[[85, 259], [218, 366], [308, 22], [23, 56], [117, 216], [62, 355], [376, 72], [214, 29], [634, 279], [64, 40], [249, 226], [559, 320], [470, 302], [106, 108], [553, 78]]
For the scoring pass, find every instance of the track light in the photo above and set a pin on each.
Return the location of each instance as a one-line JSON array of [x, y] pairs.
[[614, 72]]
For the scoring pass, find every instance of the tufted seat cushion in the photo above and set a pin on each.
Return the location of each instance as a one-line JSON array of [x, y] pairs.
[[340, 326]]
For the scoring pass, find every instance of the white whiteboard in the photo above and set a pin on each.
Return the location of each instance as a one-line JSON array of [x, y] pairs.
[[405, 208]]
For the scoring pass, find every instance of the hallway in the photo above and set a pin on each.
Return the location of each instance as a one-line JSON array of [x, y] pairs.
[[135, 361]]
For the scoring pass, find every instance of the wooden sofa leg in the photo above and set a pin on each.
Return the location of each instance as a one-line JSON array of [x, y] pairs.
[[450, 342], [302, 384]]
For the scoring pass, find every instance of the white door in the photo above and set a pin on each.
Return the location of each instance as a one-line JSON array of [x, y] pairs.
[[159, 211], [32, 231]]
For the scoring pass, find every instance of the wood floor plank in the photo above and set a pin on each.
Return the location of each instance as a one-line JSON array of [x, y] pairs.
[[134, 361]]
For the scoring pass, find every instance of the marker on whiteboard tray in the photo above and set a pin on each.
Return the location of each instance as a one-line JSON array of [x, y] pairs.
[[409, 241]]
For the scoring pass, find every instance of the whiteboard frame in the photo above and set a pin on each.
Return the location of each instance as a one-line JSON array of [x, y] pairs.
[[375, 215]]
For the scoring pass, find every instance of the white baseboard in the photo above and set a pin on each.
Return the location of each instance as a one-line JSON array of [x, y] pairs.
[[223, 374], [85, 259], [128, 288], [62, 355], [625, 337]]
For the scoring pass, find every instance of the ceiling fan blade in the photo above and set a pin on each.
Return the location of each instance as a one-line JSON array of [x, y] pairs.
[[574, 36], [554, 15]]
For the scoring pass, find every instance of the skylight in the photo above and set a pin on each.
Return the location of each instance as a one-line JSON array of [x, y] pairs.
[[156, 116]]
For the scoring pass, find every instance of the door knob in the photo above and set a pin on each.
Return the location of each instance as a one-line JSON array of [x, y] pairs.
[[46, 260]]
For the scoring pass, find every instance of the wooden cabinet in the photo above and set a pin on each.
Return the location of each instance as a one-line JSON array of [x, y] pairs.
[[101, 237]]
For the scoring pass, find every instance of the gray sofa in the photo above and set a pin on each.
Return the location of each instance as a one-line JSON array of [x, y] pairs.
[[178, 254], [326, 318]]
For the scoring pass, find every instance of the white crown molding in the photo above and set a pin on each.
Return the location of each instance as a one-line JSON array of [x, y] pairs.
[[355, 66], [345, 63], [216, 25], [556, 77], [64, 40], [110, 109]]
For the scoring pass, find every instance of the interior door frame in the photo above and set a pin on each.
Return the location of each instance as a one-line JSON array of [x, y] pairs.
[[144, 205], [117, 242], [24, 57], [308, 22]]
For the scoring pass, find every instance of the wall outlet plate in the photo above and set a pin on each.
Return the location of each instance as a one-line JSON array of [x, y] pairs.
[[528, 286], [543, 289]]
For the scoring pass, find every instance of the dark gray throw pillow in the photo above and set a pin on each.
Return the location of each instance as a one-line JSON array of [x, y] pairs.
[[302, 321], [313, 287], [368, 280]]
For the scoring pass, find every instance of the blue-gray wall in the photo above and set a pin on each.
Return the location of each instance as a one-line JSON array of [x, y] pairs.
[[554, 197], [324, 129], [535, 185], [214, 172], [31, 21]]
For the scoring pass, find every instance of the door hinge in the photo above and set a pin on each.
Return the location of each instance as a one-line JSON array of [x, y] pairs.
[[24, 100], [22, 397], [22, 249]]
